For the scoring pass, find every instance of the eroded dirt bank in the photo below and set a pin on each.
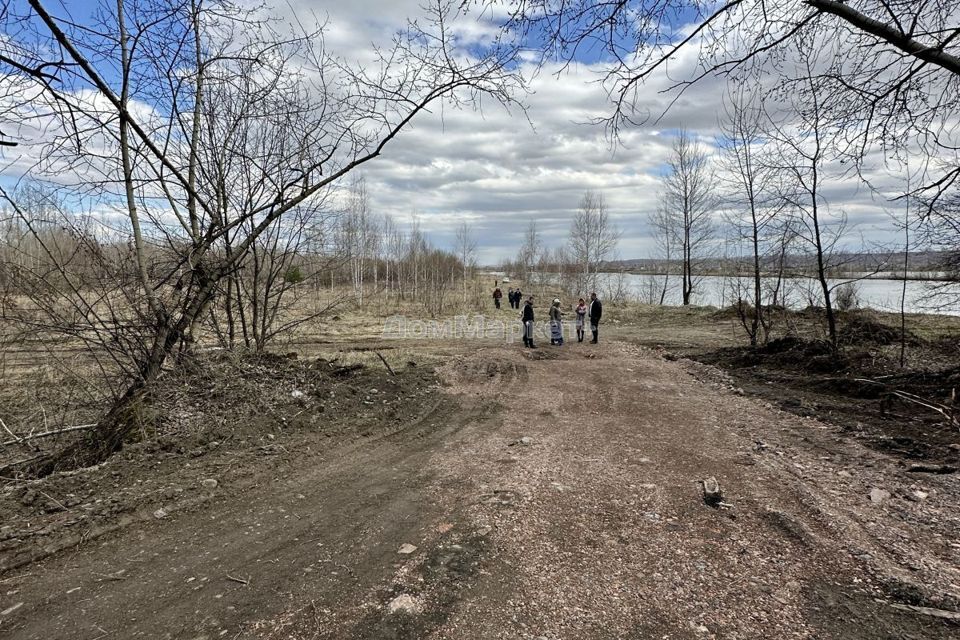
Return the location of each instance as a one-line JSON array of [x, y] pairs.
[[549, 494]]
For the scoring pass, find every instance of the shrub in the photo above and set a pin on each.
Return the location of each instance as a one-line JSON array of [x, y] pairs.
[[294, 275], [845, 297]]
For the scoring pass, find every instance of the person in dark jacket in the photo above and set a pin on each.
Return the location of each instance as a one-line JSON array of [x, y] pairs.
[[497, 294], [596, 312], [527, 318], [510, 297]]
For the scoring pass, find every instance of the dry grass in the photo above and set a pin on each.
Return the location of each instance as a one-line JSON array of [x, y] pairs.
[[47, 381]]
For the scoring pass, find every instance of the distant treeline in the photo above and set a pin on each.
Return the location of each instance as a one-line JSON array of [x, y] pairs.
[[924, 265]]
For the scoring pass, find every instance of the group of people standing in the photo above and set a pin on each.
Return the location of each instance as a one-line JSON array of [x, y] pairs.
[[514, 296], [593, 311]]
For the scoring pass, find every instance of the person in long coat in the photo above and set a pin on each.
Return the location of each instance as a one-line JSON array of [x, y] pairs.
[[527, 318], [596, 312], [556, 323]]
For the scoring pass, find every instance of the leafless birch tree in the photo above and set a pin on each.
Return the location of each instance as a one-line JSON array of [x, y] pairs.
[[804, 149], [689, 201], [749, 195], [465, 248], [593, 238], [530, 251]]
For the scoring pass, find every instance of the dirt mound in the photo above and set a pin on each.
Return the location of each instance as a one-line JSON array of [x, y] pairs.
[[218, 414], [863, 329], [816, 356], [782, 345], [732, 312], [797, 346]]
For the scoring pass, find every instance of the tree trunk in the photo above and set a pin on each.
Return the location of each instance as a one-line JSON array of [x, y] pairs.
[[122, 419]]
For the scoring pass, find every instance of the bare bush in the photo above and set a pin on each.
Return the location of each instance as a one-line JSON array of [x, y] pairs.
[[846, 297]]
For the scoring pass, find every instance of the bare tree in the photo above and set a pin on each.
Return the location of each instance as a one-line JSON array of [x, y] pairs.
[[465, 248], [395, 243], [530, 251], [749, 195], [890, 69], [126, 106], [593, 238], [416, 250], [941, 231], [784, 233], [804, 150], [665, 237], [359, 236], [269, 293], [689, 200]]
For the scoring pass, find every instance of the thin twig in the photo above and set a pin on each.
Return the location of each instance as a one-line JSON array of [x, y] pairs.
[[16, 439], [928, 611], [52, 432], [385, 363], [118, 576], [52, 499], [24, 461], [942, 409], [240, 580]]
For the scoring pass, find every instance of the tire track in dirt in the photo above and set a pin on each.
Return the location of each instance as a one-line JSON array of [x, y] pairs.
[[314, 529], [606, 534]]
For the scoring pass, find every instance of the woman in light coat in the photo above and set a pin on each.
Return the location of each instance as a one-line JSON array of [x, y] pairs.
[[556, 323]]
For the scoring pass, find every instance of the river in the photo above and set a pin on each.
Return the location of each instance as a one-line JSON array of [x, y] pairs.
[[719, 291]]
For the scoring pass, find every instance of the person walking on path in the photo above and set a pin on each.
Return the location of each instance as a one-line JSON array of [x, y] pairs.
[[556, 323], [497, 294], [581, 311], [527, 318], [596, 312], [510, 300], [518, 296]]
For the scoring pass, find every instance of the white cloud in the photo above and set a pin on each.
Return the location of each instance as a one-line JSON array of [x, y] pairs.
[[498, 171]]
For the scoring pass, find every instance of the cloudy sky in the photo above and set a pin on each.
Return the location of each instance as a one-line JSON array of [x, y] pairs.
[[498, 170]]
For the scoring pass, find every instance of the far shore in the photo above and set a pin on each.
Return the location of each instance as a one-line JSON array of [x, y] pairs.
[[920, 276]]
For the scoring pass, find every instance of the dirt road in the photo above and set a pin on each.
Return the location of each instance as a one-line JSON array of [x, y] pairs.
[[549, 494]]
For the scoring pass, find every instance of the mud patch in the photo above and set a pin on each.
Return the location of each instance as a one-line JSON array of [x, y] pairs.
[[839, 614], [434, 587]]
